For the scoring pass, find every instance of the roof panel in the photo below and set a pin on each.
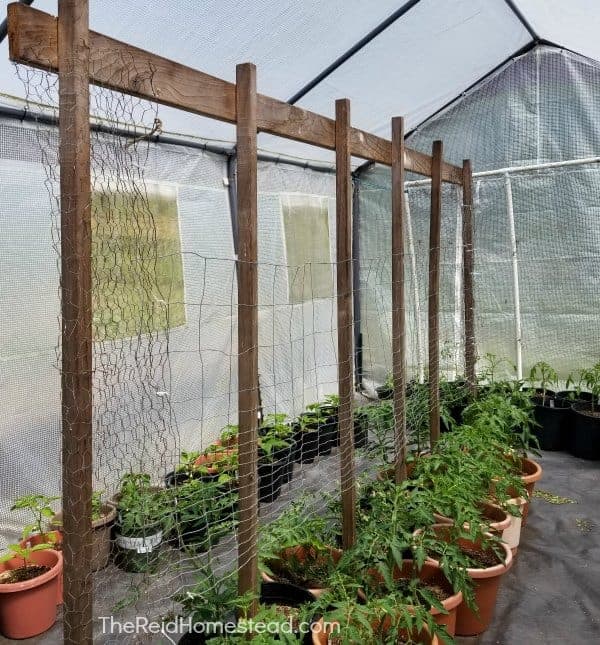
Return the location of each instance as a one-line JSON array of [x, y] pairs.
[[574, 24], [421, 62]]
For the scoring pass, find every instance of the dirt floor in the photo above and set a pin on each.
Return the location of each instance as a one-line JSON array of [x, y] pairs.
[[550, 597]]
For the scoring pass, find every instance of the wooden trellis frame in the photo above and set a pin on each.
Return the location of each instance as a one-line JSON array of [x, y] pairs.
[[43, 41]]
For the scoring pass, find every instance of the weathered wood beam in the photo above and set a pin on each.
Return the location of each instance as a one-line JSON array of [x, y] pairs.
[[124, 68], [247, 205], [468, 270], [76, 315], [345, 329], [435, 238], [398, 303]]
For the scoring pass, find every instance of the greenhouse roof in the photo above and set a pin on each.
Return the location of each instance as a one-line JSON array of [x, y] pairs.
[[389, 57]]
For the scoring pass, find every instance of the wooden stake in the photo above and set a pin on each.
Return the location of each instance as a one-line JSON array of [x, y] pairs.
[[398, 305], [247, 328], [435, 226], [468, 265], [76, 307], [344, 317]]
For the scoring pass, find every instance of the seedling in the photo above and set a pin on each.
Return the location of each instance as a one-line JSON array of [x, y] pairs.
[[591, 379], [39, 507], [545, 375]]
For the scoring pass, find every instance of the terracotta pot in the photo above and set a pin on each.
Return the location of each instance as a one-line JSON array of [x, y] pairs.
[[498, 519], [320, 635], [512, 534], [531, 473], [101, 529], [431, 572], [54, 537], [210, 458], [299, 552], [29, 608], [486, 584]]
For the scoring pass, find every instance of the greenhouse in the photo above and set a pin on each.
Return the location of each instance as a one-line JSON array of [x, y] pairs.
[[301, 325]]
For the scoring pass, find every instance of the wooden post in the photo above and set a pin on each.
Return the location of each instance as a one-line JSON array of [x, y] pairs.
[[468, 265], [76, 309], [398, 305], [344, 316], [435, 230], [247, 328]]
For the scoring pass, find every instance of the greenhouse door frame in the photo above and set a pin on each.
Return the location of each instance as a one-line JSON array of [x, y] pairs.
[[38, 40]]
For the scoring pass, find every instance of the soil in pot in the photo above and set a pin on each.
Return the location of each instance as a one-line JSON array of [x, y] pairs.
[[54, 537], [28, 607], [585, 439]]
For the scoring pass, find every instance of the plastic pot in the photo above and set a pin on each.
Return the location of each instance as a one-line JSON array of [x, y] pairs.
[[585, 441], [307, 445], [271, 474], [53, 537], [101, 530], [29, 608], [384, 392], [139, 551], [299, 553], [328, 436], [486, 583], [531, 473], [553, 424], [497, 518], [512, 533], [361, 431]]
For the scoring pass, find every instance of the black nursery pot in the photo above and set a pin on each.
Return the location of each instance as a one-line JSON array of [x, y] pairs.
[[307, 445], [585, 438], [361, 432], [271, 474], [554, 423], [384, 392], [328, 436]]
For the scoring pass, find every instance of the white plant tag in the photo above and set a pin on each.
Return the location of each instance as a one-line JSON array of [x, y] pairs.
[[140, 545]]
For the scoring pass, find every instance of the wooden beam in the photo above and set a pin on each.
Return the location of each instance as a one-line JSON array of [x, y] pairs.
[[398, 303], [435, 228], [344, 317], [76, 310], [121, 67], [246, 105], [468, 267]]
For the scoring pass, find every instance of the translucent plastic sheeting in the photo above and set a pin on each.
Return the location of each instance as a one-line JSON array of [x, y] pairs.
[[540, 108]]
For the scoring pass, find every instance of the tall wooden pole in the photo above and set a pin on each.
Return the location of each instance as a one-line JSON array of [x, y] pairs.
[[344, 317], [435, 230], [468, 266], [247, 328], [398, 303], [76, 309]]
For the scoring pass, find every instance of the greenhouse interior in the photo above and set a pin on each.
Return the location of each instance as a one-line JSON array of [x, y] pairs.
[[306, 298]]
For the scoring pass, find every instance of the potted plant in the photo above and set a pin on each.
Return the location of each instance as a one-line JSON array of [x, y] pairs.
[[552, 414], [386, 390], [586, 431], [296, 549], [485, 559], [144, 516], [205, 512], [307, 435], [361, 427], [41, 512], [215, 603], [276, 435], [29, 586], [103, 517]]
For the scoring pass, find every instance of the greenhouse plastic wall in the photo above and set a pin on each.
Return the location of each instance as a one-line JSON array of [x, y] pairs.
[[541, 107], [177, 388]]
